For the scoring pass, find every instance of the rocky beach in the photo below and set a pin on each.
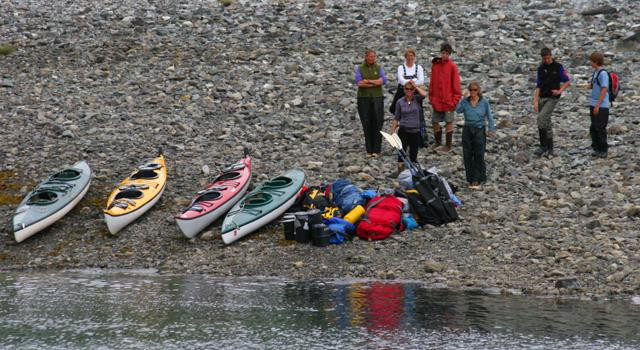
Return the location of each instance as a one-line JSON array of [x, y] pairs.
[[112, 82]]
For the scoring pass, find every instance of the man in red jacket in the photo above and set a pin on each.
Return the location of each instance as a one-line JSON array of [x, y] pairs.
[[444, 95]]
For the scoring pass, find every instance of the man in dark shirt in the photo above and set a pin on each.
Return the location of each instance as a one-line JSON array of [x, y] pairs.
[[551, 80]]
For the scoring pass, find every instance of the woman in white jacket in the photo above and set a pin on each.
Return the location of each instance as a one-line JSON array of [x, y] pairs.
[[409, 71]]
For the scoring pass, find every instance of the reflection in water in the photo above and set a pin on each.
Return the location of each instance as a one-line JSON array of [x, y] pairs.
[[93, 309]]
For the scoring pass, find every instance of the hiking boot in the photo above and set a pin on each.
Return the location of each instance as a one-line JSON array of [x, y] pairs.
[[447, 147], [437, 137], [549, 150], [444, 149], [602, 154], [543, 146]]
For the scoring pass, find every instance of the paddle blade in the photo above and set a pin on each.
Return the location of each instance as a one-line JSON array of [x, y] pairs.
[[396, 138], [392, 141]]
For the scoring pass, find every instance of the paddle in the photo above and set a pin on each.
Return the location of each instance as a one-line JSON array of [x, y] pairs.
[[393, 141], [396, 143]]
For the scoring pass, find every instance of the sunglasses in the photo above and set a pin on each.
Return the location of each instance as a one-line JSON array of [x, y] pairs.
[[473, 89], [409, 89]]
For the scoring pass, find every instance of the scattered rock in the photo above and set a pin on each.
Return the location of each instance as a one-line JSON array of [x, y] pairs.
[[206, 236], [431, 266], [568, 283], [606, 9]]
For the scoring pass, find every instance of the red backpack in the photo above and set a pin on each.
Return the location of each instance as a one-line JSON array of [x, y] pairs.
[[383, 217], [614, 85]]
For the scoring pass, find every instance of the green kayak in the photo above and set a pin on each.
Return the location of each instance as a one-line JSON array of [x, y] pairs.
[[262, 205]]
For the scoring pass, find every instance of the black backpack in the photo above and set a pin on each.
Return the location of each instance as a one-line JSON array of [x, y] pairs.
[[430, 201]]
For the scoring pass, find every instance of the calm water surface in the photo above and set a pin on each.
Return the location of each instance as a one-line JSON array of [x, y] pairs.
[[144, 310]]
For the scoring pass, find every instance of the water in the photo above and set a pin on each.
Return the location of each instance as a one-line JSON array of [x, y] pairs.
[[143, 310]]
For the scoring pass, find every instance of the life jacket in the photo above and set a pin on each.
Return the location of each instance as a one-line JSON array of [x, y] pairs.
[[431, 202], [313, 198], [383, 216]]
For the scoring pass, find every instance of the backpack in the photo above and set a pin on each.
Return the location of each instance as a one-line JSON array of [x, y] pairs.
[[383, 216], [418, 209], [431, 202], [614, 86], [346, 195]]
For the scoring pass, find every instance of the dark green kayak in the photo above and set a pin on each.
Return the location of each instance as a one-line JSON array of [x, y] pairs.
[[262, 205]]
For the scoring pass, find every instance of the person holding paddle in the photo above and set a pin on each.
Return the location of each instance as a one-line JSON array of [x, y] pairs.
[[407, 121]]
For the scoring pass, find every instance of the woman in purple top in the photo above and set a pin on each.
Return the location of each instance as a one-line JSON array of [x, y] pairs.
[[407, 122]]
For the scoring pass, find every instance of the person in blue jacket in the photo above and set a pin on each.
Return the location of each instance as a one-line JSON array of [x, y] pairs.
[[476, 110], [599, 107]]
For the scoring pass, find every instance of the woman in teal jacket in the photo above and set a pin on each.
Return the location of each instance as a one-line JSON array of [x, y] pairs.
[[476, 110]]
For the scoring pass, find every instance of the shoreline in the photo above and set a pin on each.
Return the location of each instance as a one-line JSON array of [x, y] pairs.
[[112, 84]]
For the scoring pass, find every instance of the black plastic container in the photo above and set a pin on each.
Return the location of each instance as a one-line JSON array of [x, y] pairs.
[[320, 235], [314, 216], [303, 233], [289, 229], [301, 217]]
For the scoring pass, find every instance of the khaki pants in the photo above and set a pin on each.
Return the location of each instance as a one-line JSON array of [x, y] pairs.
[[546, 105]]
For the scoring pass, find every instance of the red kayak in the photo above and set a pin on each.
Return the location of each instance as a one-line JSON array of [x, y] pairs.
[[216, 199]]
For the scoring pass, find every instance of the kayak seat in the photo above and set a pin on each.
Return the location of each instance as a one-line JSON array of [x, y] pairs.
[[122, 203], [232, 175], [234, 167], [145, 174], [150, 166], [66, 175], [129, 194], [258, 199], [42, 197], [209, 196], [278, 182]]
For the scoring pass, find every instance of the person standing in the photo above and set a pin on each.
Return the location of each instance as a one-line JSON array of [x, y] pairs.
[[552, 79], [599, 108], [409, 70], [407, 122], [369, 79], [444, 95], [476, 111]]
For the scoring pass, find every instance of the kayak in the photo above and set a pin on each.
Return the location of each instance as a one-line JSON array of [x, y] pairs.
[[262, 205], [136, 194], [51, 200], [216, 199]]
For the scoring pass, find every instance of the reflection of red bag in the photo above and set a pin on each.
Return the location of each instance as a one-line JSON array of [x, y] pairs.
[[386, 306], [383, 217]]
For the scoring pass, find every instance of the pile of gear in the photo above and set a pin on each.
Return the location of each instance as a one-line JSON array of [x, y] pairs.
[[337, 212]]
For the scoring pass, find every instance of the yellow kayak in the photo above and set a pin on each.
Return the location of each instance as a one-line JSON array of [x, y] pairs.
[[136, 194]]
